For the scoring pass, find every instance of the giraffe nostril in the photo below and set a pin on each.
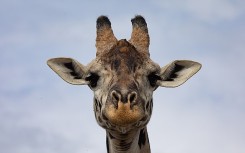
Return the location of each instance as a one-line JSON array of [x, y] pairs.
[[132, 97], [115, 95], [124, 98]]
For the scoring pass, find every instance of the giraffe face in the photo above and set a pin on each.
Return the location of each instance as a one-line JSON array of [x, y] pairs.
[[125, 81], [122, 76]]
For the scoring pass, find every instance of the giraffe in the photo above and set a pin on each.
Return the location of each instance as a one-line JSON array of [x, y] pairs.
[[123, 78]]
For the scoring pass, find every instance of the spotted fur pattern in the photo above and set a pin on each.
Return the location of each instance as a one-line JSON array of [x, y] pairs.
[[123, 67]]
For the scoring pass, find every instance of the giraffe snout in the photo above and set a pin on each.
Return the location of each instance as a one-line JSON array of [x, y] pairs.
[[123, 109]]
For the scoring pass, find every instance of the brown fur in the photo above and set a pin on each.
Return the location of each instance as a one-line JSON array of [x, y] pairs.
[[105, 38], [140, 37], [123, 115], [123, 56]]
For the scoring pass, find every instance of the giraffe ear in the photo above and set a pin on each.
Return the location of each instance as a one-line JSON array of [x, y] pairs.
[[69, 70], [178, 72]]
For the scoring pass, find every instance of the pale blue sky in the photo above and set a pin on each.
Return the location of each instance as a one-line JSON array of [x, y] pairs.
[[40, 113]]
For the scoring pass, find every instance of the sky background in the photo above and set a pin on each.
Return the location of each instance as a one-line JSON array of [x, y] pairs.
[[40, 113]]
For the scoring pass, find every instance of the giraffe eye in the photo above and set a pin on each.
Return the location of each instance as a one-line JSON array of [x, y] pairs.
[[152, 77], [93, 79]]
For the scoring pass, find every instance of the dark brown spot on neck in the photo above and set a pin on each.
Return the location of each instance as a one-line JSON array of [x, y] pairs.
[[142, 138]]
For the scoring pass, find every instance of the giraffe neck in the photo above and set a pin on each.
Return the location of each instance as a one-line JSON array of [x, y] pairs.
[[132, 142]]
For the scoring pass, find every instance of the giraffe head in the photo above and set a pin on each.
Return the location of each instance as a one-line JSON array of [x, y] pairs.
[[122, 76]]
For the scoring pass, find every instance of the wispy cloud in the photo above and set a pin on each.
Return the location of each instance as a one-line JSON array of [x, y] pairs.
[[210, 11]]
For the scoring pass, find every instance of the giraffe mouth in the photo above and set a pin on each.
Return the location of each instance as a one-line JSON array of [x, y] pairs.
[[124, 114]]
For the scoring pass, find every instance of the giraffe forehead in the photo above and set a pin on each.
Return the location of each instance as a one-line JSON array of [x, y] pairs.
[[123, 57]]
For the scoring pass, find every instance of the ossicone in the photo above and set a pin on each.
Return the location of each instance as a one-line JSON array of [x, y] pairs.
[[105, 38], [140, 37]]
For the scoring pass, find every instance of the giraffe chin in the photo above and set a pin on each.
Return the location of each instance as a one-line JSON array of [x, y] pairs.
[[123, 115]]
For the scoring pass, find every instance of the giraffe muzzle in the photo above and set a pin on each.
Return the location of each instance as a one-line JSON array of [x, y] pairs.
[[123, 110]]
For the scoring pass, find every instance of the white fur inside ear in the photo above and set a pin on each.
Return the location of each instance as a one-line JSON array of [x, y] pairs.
[[178, 72], [69, 70]]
